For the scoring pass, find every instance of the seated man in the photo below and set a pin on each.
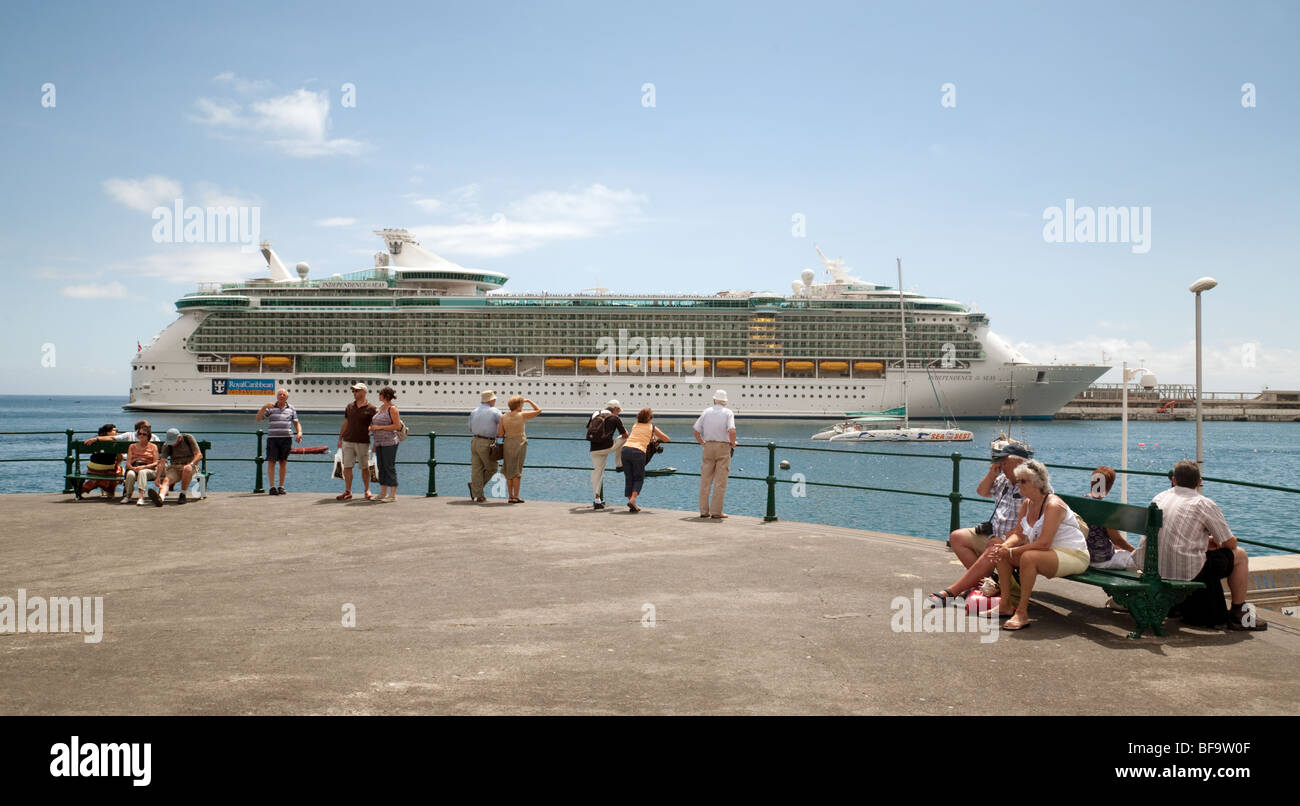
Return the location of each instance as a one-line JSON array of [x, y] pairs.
[[1191, 522], [968, 544], [181, 453]]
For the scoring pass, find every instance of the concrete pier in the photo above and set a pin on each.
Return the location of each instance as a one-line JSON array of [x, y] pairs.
[[237, 605]]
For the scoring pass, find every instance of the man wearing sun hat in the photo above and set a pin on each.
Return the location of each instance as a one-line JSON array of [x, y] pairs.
[[483, 424], [354, 440], [715, 430]]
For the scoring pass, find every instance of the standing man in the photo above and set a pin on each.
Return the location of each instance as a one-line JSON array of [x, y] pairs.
[[600, 432], [181, 453], [281, 422], [1196, 544], [354, 439], [716, 431], [483, 424]]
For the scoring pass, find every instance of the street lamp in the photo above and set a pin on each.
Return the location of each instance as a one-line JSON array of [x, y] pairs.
[[1148, 382], [1203, 284]]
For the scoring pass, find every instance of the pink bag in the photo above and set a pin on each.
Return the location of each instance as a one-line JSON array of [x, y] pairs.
[[979, 604]]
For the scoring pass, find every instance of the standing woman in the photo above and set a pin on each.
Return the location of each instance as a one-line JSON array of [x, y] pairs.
[[384, 428], [141, 463], [516, 443], [634, 455]]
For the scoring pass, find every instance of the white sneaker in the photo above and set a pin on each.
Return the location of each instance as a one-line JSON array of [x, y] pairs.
[[139, 502], [126, 499]]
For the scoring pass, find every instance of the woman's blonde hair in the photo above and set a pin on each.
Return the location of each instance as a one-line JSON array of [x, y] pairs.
[[515, 403], [1035, 472]]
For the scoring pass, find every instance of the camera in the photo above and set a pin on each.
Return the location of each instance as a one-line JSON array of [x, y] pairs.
[[985, 528]]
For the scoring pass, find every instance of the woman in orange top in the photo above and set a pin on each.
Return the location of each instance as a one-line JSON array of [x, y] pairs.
[[634, 455]]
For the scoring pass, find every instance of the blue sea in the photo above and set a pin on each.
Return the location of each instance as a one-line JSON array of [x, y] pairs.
[[1267, 453]]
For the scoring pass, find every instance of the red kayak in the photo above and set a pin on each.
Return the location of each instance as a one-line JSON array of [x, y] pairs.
[[321, 449]]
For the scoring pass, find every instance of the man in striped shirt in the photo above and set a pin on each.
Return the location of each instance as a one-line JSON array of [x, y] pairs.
[[281, 424], [1196, 544]]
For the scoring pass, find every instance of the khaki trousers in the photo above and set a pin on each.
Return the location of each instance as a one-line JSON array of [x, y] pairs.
[[713, 473], [482, 466]]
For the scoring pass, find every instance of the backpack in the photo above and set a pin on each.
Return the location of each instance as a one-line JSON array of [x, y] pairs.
[[596, 426]]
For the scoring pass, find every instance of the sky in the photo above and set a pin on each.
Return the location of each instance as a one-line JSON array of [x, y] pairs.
[[675, 148]]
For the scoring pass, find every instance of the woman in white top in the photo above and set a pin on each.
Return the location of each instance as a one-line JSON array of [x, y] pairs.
[[1046, 542]]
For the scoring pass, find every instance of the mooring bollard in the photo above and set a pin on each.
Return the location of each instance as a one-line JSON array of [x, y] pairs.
[[771, 483], [955, 496], [433, 467], [258, 460]]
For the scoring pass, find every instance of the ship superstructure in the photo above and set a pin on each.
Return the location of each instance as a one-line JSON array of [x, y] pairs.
[[439, 333]]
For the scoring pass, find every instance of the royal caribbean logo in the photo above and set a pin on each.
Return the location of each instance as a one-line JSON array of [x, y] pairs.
[[243, 386]]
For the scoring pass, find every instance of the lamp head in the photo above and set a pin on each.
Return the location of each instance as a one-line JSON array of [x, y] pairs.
[[1203, 284]]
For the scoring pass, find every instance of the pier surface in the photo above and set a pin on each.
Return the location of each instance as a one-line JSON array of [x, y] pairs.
[[235, 605]]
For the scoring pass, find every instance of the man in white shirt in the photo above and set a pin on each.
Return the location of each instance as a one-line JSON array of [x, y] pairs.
[[1196, 544], [716, 431], [483, 423]]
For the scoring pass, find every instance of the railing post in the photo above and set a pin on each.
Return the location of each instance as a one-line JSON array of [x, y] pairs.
[[771, 483], [433, 467], [67, 483], [954, 522], [257, 486]]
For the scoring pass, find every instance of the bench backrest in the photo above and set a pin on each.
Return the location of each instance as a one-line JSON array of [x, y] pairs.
[[80, 448], [1145, 521]]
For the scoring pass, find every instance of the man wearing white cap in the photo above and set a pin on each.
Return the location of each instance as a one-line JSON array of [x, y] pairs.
[[715, 430], [182, 455], [600, 433], [354, 440], [483, 424]]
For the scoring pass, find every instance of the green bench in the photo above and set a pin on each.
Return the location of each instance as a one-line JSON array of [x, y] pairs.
[[74, 477], [1147, 596]]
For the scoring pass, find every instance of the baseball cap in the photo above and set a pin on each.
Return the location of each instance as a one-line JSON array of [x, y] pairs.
[[173, 436], [1004, 448], [360, 386]]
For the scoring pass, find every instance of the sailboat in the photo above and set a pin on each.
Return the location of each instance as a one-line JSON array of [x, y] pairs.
[[906, 432]]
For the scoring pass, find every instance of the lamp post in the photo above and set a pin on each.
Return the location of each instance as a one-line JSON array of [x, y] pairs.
[[1203, 284], [1148, 382]]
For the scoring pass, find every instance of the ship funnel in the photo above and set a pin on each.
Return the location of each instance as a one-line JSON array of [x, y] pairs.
[[279, 273], [408, 254]]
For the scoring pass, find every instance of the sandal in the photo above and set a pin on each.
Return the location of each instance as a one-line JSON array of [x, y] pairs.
[[369, 497], [940, 599], [1018, 625], [343, 497]]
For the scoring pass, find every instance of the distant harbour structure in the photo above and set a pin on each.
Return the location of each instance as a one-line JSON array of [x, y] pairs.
[[439, 332]]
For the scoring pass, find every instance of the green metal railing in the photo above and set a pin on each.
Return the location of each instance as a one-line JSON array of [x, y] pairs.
[[954, 496]]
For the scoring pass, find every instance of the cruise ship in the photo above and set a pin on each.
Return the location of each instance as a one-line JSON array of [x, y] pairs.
[[440, 333]]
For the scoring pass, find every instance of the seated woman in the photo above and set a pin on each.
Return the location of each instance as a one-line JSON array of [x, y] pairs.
[[1107, 548], [141, 463], [104, 463], [1051, 545], [634, 455]]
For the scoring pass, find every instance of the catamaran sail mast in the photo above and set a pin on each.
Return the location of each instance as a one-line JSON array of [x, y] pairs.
[[902, 314]]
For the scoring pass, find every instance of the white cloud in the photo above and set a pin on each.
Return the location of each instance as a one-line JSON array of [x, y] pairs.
[[144, 194], [1227, 366], [336, 222], [531, 222], [427, 205], [241, 84], [298, 123], [112, 290], [193, 263]]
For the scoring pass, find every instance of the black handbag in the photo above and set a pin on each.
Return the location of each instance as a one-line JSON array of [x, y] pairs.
[[497, 452]]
